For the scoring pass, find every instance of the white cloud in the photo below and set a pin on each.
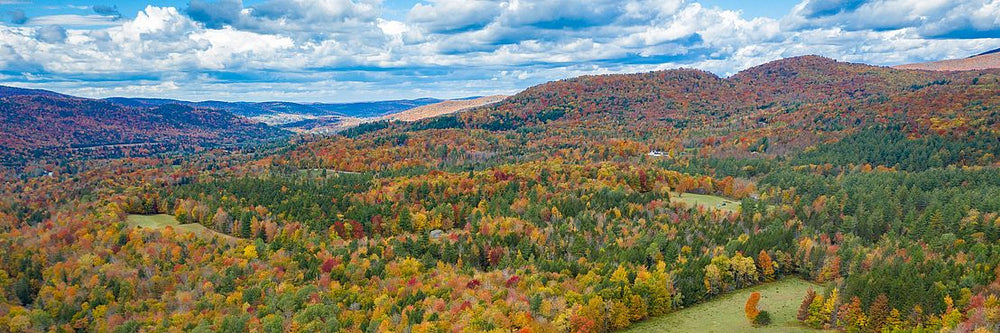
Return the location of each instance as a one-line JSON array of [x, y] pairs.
[[931, 18], [452, 15], [325, 50], [72, 20], [157, 20], [228, 48]]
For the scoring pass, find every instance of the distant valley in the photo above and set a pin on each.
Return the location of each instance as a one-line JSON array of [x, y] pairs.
[[325, 117], [43, 124]]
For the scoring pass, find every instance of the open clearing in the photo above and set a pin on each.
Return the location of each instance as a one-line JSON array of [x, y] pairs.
[[329, 172], [160, 221], [443, 108], [707, 201], [724, 314]]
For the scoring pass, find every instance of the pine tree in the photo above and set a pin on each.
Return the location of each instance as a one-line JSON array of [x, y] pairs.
[[245, 228], [405, 220]]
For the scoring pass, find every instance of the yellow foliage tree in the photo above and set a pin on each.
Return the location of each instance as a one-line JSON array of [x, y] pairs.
[[250, 252], [420, 221]]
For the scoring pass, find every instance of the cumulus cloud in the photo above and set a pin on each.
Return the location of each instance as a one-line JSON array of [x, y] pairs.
[[444, 16], [302, 19], [953, 19], [229, 49], [330, 50], [12, 62], [51, 34]]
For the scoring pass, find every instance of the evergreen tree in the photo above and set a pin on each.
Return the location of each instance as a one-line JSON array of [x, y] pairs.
[[405, 220], [245, 228]]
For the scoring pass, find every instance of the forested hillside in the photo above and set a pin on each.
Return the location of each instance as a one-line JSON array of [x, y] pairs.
[[45, 125], [573, 206]]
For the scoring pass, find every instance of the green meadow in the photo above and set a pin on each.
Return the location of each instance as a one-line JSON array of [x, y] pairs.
[[160, 221], [724, 314], [707, 201]]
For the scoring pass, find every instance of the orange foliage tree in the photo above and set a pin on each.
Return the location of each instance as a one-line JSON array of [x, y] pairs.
[[750, 309]]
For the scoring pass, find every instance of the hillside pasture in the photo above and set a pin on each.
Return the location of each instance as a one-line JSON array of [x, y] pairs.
[[725, 313], [160, 221], [707, 201]]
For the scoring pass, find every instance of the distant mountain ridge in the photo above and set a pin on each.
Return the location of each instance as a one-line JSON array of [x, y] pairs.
[[40, 124], [987, 52], [255, 109], [296, 117]]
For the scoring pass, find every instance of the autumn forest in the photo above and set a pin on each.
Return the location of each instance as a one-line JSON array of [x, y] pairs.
[[580, 205]]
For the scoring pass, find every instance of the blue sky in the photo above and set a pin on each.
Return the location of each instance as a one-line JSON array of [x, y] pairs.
[[353, 50]]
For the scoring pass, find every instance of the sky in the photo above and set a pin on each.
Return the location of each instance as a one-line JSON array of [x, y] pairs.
[[362, 50]]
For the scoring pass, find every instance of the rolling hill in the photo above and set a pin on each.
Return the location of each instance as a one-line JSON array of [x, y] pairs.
[[443, 108], [985, 60], [6, 91], [43, 125], [776, 108]]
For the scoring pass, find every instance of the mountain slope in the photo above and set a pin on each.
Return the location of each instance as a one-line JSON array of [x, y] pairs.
[[776, 108], [40, 126], [443, 108], [814, 78], [986, 60], [6, 91], [685, 98]]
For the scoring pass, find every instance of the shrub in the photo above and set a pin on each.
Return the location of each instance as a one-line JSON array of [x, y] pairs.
[[763, 319]]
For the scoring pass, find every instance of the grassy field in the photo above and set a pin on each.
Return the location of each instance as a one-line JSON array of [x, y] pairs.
[[707, 201], [329, 172], [159, 221], [725, 314]]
